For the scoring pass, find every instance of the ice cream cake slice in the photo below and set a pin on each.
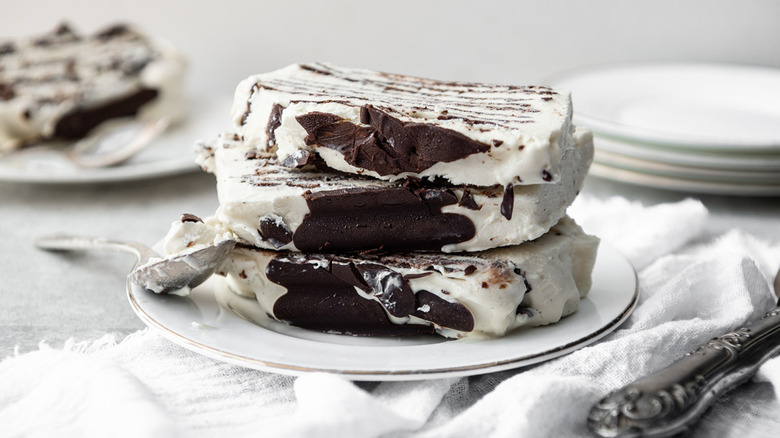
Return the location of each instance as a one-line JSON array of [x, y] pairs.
[[61, 85], [455, 295], [313, 208], [391, 126]]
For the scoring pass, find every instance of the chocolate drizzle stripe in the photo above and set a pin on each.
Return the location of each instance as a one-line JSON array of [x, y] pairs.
[[470, 117], [475, 103]]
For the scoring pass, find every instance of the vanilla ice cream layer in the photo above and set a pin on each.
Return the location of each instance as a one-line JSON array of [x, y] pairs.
[[392, 126], [62, 84]]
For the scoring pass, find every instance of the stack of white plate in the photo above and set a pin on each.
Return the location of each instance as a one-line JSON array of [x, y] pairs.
[[706, 128]]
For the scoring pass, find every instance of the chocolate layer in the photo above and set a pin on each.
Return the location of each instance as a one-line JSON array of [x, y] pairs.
[[393, 219], [326, 300], [77, 123], [445, 313], [387, 146]]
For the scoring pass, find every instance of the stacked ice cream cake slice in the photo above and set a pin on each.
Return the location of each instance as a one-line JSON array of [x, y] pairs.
[[369, 203]]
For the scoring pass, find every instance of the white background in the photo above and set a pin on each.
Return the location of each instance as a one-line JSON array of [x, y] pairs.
[[518, 42]]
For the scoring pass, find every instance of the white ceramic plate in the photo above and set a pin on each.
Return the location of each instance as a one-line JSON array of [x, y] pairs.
[[653, 167], [632, 176], [700, 159], [200, 324], [170, 153], [701, 106]]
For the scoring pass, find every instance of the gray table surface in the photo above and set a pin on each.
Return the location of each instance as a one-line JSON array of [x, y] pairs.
[[52, 297]]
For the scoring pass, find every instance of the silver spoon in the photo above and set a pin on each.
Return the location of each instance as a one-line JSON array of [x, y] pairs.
[[172, 275], [115, 145], [670, 401], [110, 146]]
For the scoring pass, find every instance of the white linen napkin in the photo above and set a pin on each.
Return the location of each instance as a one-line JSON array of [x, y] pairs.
[[692, 289]]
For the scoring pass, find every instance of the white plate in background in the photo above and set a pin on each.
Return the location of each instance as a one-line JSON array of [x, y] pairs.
[[652, 167], [695, 106], [602, 170], [699, 159]]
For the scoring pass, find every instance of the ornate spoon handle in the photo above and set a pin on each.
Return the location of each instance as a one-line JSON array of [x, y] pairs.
[[671, 400]]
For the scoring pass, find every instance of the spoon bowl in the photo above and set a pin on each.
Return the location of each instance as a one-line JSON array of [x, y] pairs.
[[173, 275]]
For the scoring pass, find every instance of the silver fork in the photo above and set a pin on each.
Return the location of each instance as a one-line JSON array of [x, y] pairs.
[[670, 401]]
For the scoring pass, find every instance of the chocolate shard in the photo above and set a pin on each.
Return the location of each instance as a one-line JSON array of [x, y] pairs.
[[274, 231], [390, 288], [6, 91], [7, 48], [113, 32], [346, 271], [467, 201], [508, 203], [274, 121], [189, 217], [431, 307], [388, 146]]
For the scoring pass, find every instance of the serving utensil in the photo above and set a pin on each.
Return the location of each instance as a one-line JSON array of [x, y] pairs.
[[670, 401], [173, 275], [115, 145], [108, 146]]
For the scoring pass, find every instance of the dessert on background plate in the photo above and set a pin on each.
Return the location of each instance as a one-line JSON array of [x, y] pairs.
[[369, 203], [62, 85]]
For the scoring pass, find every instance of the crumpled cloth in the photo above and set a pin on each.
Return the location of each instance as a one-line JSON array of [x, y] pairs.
[[693, 287]]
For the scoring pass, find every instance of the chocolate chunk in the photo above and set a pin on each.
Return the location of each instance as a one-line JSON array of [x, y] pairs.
[[390, 288], [274, 121], [508, 203], [187, 217], [253, 155], [63, 33], [6, 91], [470, 269], [388, 146], [394, 219], [431, 307], [467, 201], [313, 121], [64, 29], [274, 231], [7, 48], [77, 123], [112, 32], [318, 300], [521, 273], [546, 175], [348, 273]]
